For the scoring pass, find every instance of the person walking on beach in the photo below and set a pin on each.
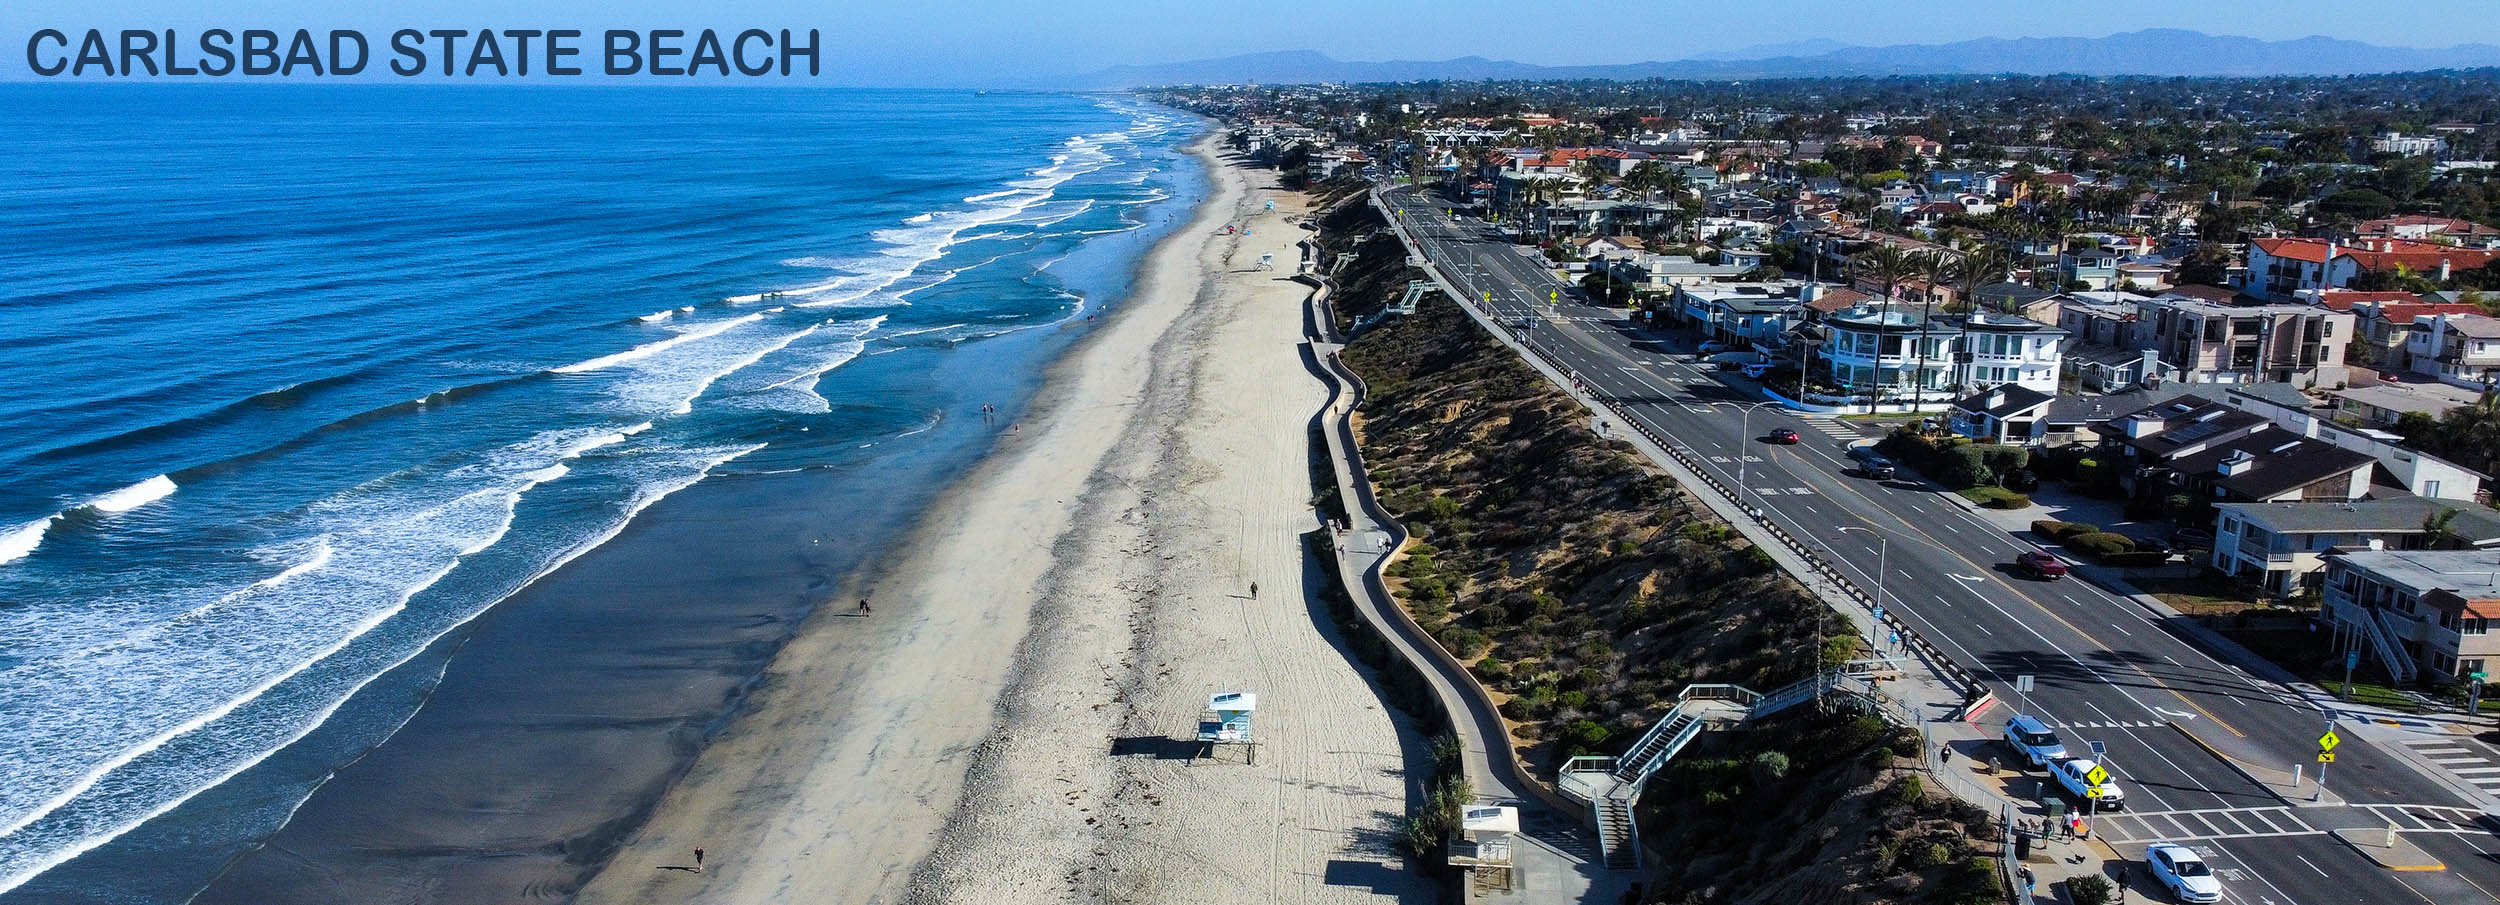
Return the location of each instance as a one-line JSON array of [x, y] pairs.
[[1254, 590], [698, 860], [863, 606]]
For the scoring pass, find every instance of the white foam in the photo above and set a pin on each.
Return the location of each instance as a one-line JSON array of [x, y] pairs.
[[19, 869], [649, 349], [919, 218], [134, 496], [390, 541], [23, 539], [657, 316]]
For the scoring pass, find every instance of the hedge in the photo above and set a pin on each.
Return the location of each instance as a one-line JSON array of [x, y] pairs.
[[2057, 530], [2135, 559], [2100, 544]]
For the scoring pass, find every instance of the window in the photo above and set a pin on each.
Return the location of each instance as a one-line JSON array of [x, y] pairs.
[[2430, 489], [2473, 625]]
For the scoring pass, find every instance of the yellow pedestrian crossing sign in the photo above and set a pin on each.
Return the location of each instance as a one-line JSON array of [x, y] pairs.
[[2096, 777], [2326, 757], [1553, 295], [2327, 742]]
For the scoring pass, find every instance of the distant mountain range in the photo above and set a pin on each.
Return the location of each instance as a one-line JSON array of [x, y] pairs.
[[2156, 52]]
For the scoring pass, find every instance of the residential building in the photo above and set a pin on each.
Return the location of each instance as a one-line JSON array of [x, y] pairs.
[[1994, 349], [2381, 403], [1888, 353], [2283, 268], [2009, 414], [2284, 546], [2419, 473], [2418, 613], [2381, 327], [2409, 145], [1742, 315], [2458, 349], [2218, 451], [1663, 273], [2092, 268], [2422, 227], [2207, 342]]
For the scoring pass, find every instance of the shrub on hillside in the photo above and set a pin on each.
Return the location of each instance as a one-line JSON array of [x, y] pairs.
[[2135, 559]]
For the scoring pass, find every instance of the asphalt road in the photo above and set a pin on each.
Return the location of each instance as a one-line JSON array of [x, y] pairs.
[[2105, 669]]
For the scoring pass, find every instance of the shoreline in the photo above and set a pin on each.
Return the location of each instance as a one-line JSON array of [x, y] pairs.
[[1054, 602], [743, 755]]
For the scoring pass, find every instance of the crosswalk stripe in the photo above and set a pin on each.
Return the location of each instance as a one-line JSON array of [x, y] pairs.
[[2464, 770]]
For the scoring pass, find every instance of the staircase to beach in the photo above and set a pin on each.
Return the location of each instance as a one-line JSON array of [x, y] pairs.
[[1612, 785]]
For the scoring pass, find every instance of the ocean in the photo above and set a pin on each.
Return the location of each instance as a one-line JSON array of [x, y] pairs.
[[297, 382]]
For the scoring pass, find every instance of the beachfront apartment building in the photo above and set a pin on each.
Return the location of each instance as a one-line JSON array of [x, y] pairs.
[[2417, 613], [1898, 352], [1663, 274], [1753, 316], [2199, 340]]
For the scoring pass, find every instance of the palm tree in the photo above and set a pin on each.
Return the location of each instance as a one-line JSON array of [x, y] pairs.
[[1933, 268], [1888, 265], [1978, 267]]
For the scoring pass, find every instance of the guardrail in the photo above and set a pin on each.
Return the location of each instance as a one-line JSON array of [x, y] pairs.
[[1946, 667]]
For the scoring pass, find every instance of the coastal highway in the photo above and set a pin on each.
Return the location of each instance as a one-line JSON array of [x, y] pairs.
[[2105, 668]]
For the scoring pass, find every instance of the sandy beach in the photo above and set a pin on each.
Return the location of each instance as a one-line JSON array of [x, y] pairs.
[[1004, 727]]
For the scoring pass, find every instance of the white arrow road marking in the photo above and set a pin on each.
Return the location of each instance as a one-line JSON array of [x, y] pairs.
[[2173, 714]]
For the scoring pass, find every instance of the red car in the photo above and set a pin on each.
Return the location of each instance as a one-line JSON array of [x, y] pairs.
[[1784, 436], [2041, 564]]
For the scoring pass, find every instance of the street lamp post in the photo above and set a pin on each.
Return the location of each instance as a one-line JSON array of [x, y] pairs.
[[1883, 554]]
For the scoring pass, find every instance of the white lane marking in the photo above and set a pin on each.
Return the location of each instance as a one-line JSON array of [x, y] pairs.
[[2121, 630], [2304, 859]]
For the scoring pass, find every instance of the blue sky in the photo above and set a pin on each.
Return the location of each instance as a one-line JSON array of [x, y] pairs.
[[967, 41]]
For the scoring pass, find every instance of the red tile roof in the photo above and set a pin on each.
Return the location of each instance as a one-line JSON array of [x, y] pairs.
[[1836, 299], [2404, 314], [2381, 254], [2345, 299]]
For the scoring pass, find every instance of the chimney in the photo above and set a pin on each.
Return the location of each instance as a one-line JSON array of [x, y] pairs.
[[1814, 290], [2142, 425], [2237, 462]]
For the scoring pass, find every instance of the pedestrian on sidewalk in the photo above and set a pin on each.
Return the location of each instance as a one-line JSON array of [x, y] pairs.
[[1944, 753]]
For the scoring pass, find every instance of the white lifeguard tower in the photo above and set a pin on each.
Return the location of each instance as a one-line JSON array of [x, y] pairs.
[[1482, 846], [1227, 722]]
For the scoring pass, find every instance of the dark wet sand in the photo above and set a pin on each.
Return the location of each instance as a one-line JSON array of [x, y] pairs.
[[569, 708]]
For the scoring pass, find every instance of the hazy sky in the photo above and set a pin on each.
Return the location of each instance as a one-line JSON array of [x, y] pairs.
[[964, 41]]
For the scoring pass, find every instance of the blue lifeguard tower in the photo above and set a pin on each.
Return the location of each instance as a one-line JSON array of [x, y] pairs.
[[1227, 722]]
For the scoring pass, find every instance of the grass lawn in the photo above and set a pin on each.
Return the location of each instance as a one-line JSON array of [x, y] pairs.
[[2202, 595]]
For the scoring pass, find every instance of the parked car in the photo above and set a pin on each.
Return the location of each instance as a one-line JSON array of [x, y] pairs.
[[1756, 371], [2070, 773], [2032, 740], [1877, 468], [2185, 874], [2191, 539], [1711, 348], [2020, 480], [1784, 436], [2040, 564], [2150, 545]]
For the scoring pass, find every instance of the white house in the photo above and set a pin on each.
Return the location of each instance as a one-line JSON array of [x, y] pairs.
[[2462, 350], [1995, 349]]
